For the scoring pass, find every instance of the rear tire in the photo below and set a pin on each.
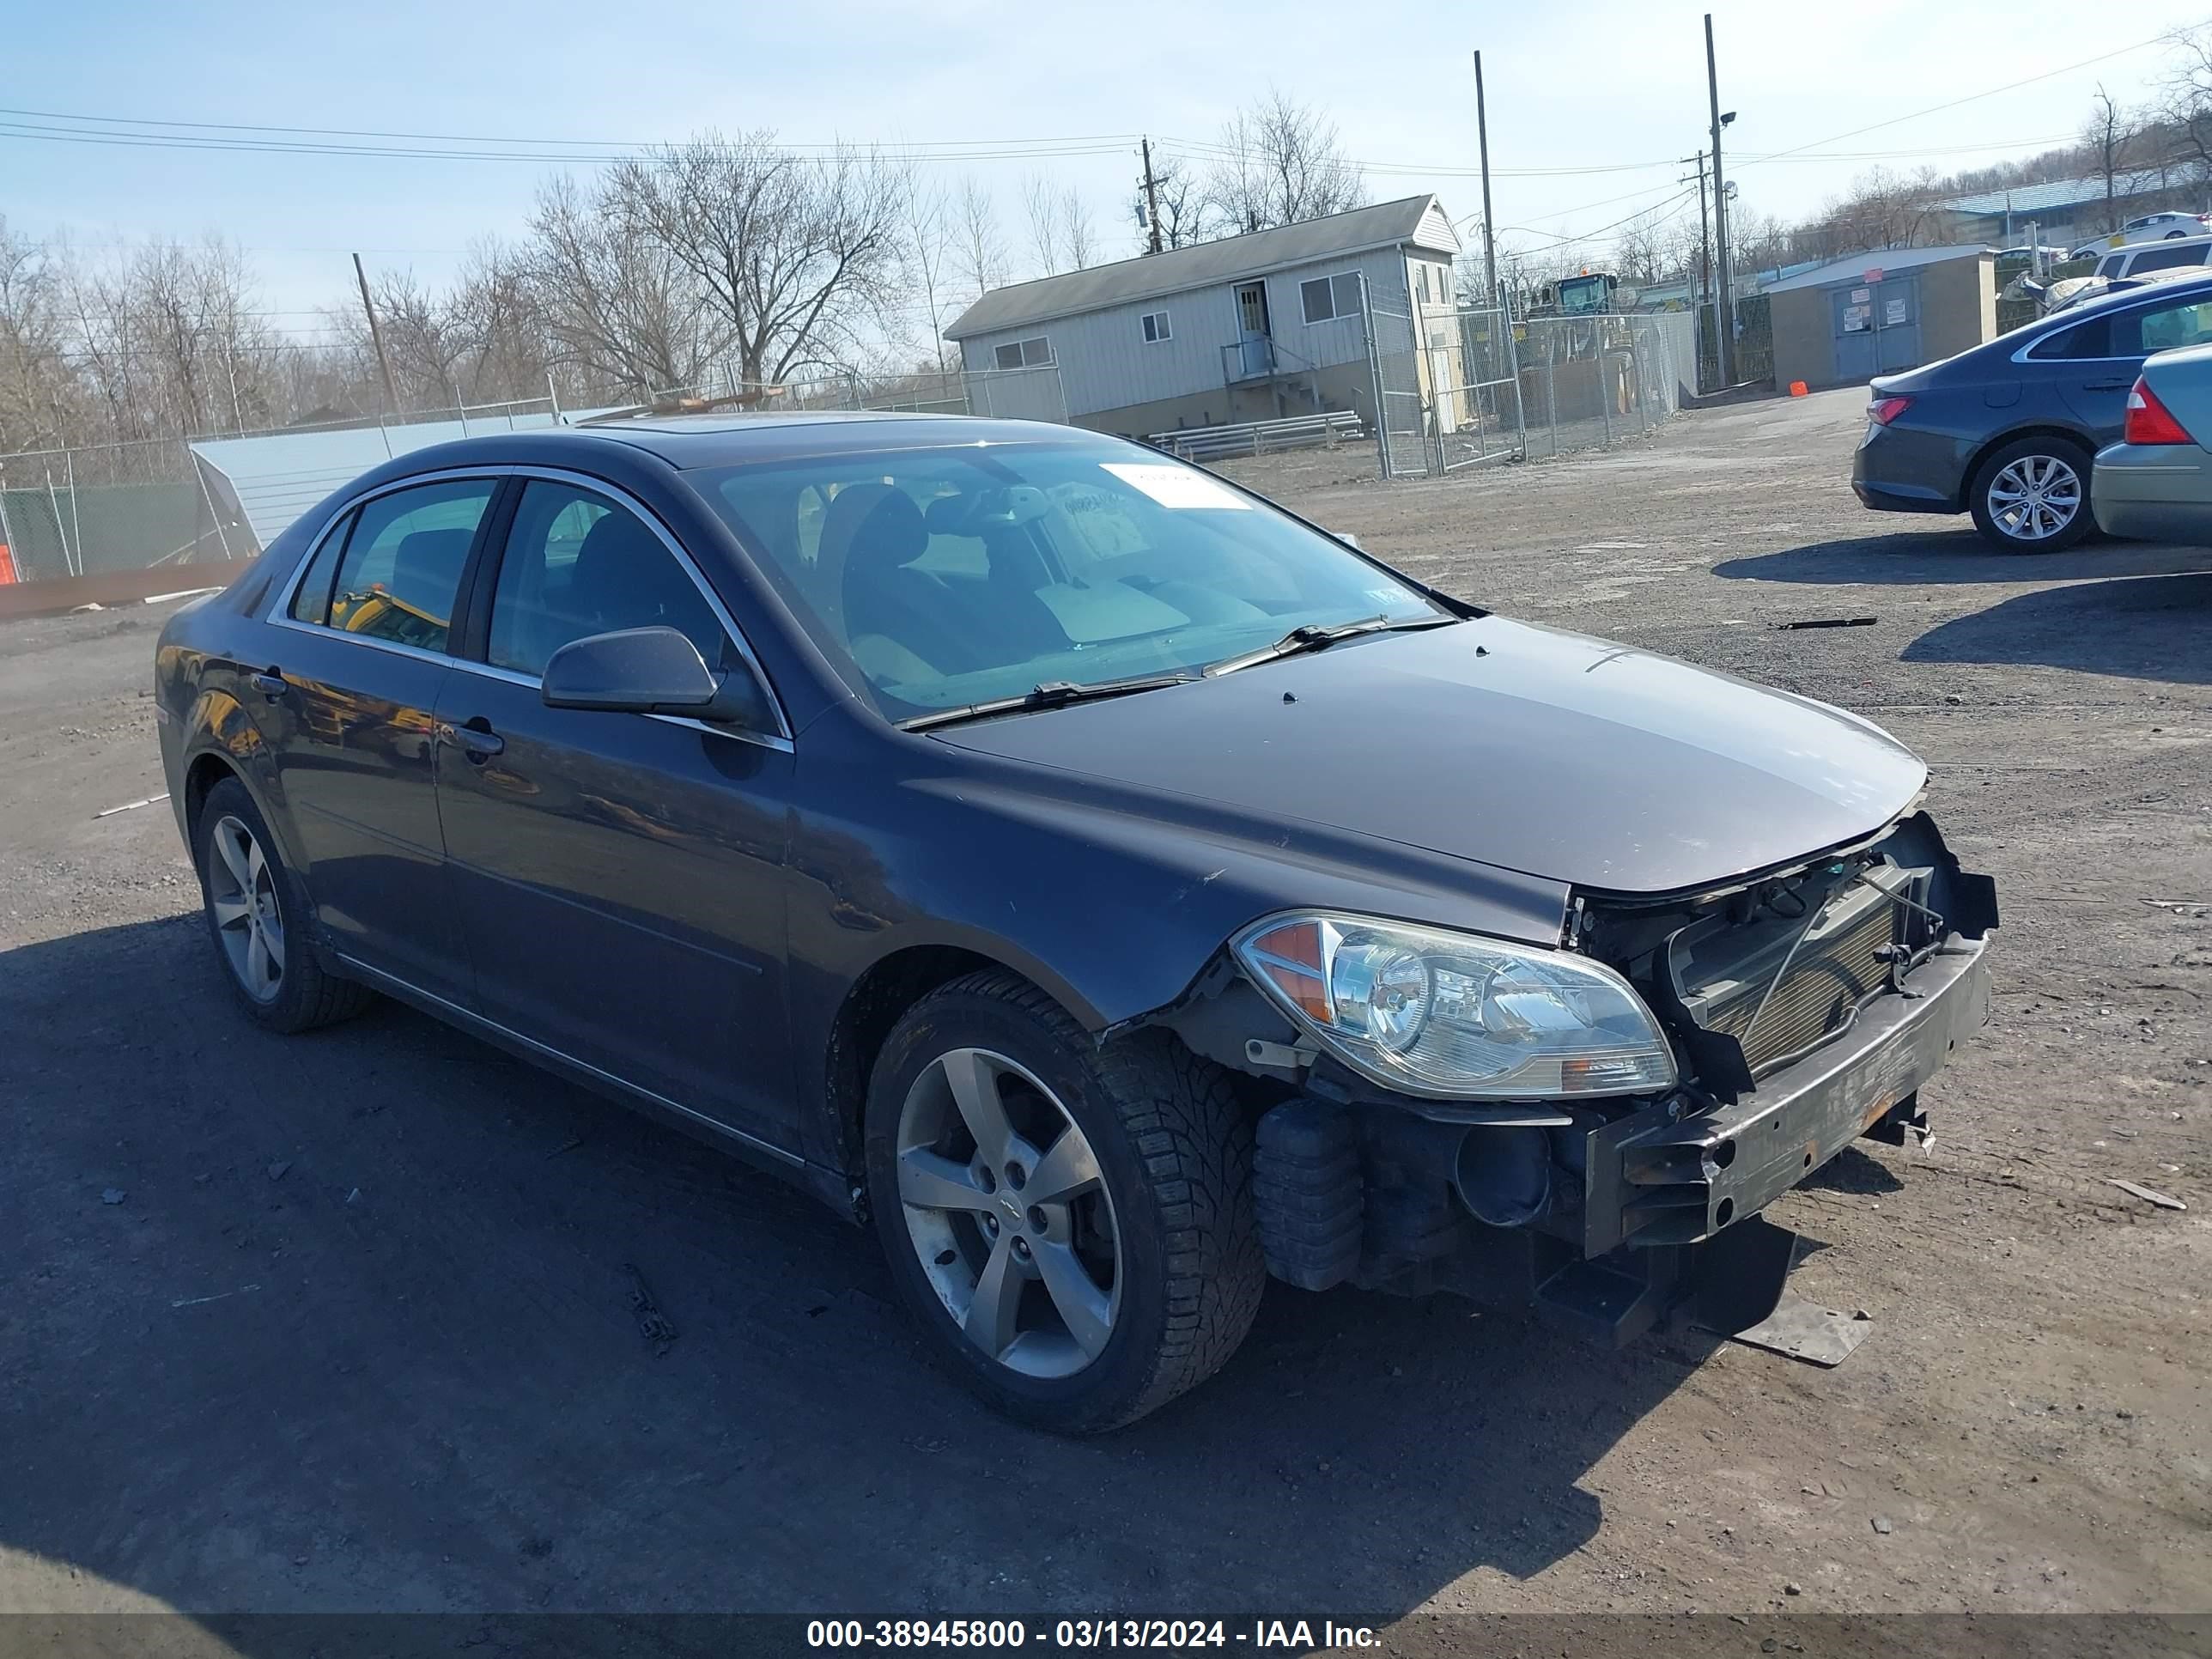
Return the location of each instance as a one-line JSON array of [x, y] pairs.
[[258, 919], [1075, 1305], [2032, 495]]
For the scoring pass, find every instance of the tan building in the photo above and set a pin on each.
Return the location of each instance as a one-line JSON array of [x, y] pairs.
[[1876, 314]]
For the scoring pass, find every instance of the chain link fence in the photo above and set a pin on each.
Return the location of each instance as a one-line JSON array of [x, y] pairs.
[[1474, 386], [1396, 364], [110, 507], [103, 509]]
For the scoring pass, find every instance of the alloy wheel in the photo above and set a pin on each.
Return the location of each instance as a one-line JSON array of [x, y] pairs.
[[1008, 1211], [2035, 497], [248, 920]]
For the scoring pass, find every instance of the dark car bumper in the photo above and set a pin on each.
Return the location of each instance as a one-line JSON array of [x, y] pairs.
[[1670, 1211], [1650, 1181], [1899, 469]]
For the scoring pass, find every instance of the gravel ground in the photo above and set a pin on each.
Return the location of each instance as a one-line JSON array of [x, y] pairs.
[[348, 1322]]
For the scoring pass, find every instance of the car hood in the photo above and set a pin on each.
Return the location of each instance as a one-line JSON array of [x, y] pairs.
[[1520, 747]]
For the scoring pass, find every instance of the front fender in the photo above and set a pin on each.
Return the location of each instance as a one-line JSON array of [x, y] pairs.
[[1111, 899]]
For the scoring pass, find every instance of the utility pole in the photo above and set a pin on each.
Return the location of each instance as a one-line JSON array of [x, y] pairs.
[[376, 337], [1724, 317], [1704, 230], [1705, 268], [1482, 137], [1151, 198]]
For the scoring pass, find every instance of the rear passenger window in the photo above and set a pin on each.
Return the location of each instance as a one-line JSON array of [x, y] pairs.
[[310, 600], [577, 564], [2087, 339], [2167, 258], [402, 562]]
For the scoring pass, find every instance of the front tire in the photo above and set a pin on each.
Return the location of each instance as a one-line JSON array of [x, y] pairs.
[[256, 916], [1071, 1225], [2032, 495]]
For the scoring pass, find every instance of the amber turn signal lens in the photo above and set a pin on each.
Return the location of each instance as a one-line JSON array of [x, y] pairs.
[[1283, 951]]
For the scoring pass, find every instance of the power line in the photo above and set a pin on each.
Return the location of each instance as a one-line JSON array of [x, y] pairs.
[[1680, 201], [1971, 97], [1119, 138]]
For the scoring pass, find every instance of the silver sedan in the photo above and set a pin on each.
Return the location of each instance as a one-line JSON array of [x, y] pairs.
[[2155, 484]]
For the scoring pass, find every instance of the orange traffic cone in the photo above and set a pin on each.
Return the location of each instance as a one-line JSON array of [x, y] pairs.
[[7, 565]]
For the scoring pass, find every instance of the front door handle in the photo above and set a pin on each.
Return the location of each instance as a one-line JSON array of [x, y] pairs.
[[270, 683], [474, 739]]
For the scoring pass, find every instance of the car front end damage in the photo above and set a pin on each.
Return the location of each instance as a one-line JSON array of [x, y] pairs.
[[1801, 1009]]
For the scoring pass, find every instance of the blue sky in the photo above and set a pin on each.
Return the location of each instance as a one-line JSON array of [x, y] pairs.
[[1594, 85]]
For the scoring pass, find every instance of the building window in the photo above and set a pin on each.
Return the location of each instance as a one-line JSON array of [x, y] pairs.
[[1424, 284], [1156, 327], [1327, 297], [1024, 354]]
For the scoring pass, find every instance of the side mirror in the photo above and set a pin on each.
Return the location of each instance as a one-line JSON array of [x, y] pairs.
[[636, 671]]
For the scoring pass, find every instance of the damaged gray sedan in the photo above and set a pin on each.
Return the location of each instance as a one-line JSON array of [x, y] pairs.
[[1109, 887]]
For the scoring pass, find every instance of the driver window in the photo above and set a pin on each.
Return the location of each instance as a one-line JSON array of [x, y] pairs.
[[578, 564]]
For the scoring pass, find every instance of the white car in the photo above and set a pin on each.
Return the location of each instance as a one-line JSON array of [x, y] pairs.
[[2150, 227], [2171, 253]]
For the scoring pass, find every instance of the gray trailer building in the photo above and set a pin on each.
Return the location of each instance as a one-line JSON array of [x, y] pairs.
[[1249, 328]]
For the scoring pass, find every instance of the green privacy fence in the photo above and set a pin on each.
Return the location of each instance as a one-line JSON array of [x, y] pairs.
[[88, 530]]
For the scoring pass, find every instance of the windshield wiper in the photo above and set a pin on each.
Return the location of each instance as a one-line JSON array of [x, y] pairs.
[[1047, 694], [1314, 637]]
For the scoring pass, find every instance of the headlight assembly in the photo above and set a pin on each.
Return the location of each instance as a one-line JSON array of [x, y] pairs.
[[1443, 1013]]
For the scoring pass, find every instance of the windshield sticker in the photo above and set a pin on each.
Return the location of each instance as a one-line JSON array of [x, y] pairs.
[[1175, 486]]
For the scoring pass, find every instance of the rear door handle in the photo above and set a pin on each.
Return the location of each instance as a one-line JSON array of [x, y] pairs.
[[477, 741], [270, 683], [2110, 386]]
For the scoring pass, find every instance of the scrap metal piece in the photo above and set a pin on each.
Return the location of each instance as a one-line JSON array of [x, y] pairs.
[[2147, 1194], [1804, 1329]]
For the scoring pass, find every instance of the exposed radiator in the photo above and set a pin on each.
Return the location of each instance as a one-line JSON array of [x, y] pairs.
[[1723, 975]]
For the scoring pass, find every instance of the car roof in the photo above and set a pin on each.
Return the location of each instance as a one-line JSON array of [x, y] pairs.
[[2153, 247], [687, 441], [2185, 280], [720, 439]]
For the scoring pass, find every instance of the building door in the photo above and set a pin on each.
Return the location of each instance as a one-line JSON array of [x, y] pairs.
[[1897, 322], [1852, 311], [1877, 325], [1257, 351]]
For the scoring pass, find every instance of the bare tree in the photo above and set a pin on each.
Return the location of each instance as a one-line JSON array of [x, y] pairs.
[[2109, 135], [626, 313], [498, 312], [927, 224], [982, 250], [2186, 99], [39, 392], [1180, 194], [1637, 254], [1041, 213], [1280, 162], [798, 259], [1078, 238]]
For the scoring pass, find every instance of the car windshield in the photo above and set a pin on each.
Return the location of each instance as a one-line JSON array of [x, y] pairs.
[[938, 578]]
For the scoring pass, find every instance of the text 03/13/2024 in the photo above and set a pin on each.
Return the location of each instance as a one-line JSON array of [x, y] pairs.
[[989, 1634]]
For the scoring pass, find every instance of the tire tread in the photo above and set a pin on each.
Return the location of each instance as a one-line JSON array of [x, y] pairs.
[[1195, 1141]]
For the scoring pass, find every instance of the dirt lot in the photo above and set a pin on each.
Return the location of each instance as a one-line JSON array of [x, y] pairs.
[[346, 1322]]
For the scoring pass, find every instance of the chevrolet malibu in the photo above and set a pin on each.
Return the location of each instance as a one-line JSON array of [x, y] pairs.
[[1109, 887]]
